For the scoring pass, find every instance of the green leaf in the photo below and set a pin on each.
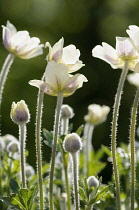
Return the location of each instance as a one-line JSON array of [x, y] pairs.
[[106, 150], [82, 194], [80, 130], [14, 186], [32, 195], [13, 200], [100, 195], [48, 135]]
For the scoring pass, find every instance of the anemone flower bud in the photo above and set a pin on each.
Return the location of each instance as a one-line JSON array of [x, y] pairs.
[[20, 113], [66, 111], [29, 171], [92, 181], [13, 147], [20, 43], [67, 55], [97, 114], [72, 143]]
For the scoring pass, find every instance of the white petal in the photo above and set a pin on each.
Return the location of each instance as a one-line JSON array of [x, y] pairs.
[[56, 75], [106, 53], [133, 79], [46, 88], [75, 67], [20, 39], [11, 27], [6, 37], [32, 43], [125, 47], [55, 52], [134, 34], [31, 53], [73, 83], [70, 54]]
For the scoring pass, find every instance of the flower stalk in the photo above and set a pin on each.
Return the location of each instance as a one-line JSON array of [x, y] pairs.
[[22, 136], [132, 146], [55, 137], [38, 147], [114, 127], [75, 179], [4, 72]]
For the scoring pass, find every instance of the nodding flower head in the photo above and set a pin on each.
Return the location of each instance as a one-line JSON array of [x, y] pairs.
[[13, 147], [92, 181], [66, 111], [57, 79], [20, 43], [72, 143], [125, 51], [20, 113], [97, 114], [67, 55]]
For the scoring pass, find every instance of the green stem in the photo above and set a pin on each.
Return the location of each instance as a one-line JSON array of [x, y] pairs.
[[38, 147], [4, 72], [66, 181], [22, 136], [114, 127], [75, 180], [55, 137], [88, 133], [132, 146]]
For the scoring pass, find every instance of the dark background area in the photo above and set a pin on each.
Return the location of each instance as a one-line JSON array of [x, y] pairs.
[[84, 24]]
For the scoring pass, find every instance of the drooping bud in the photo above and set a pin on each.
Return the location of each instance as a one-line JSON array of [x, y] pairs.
[[72, 143], [13, 147], [20, 113], [92, 181], [66, 111], [29, 171]]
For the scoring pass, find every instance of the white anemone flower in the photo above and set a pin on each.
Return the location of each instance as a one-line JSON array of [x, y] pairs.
[[58, 80], [67, 55], [97, 114], [20, 43], [133, 32], [133, 79], [125, 50]]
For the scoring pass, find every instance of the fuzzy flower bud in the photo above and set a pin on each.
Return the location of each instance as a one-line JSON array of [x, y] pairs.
[[20, 113], [66, 111], [72, 143], [92, 181], [13, 147], [30, 171]]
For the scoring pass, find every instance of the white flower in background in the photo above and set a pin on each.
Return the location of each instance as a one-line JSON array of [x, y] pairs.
[[20, 43], [125, 50], [97, 114], [67, 55], [8, 138], [2, 144], [133, 79], [58, 80]]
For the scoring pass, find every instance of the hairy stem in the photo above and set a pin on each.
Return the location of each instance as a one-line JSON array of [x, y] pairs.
[[132, 146], [38, 147], [4, 72], [75, 180], [22, 136], [114, 127], [55, 137]]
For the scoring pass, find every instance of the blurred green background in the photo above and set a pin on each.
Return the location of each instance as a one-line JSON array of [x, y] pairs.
[[84, 23]]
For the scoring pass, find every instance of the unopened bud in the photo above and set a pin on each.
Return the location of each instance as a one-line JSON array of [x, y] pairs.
[[29, 171], [72, 143], [13, 147], [66, 111], [92, 181], [20, 113]]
